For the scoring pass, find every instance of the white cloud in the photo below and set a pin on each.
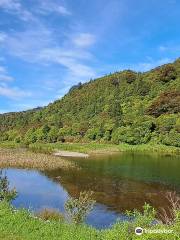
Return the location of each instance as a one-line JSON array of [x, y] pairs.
[[13, 93], [28, 44], [2, 37], [69, 59], [47, 7], [8, 91], [4, 76], [16, 8], [162, 48], [84, 39], [44, 7], [62, 10], [146, 66], [169, 48], [10, 4], [2, 69], [40, 46]]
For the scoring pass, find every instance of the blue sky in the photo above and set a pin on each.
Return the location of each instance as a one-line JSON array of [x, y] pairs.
[[46, 46]]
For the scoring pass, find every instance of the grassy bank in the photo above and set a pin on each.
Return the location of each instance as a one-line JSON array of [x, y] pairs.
[[93, 148], [22, 158], [21, 224]]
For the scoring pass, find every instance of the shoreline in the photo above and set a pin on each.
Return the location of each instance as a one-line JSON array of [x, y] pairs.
[[84, 150], [70, 154], [89, 149], [22, 158]]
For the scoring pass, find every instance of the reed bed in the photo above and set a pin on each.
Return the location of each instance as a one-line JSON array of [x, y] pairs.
[[22, 158]]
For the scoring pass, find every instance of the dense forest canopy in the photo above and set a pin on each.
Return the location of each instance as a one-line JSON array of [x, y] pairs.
[[123, 107]]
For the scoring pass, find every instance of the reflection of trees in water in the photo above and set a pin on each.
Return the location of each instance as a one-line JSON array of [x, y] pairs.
[[117, 194]]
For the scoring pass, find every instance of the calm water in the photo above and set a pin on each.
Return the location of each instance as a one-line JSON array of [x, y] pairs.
[[120, 182]]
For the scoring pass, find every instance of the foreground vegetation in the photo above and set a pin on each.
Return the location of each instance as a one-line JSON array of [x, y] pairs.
[[25, 225], [22, 224], [125, 107]]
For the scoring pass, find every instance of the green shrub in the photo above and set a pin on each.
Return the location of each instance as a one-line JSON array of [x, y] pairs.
[[77, 209], [5, 193], [171, 139], [131, 135], [50, 214]]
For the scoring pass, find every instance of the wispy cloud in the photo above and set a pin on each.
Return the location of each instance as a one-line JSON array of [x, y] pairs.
[[84, 39], [44, 7], [48, 7], [15, 7], [40, 46], [10, 4], [13, 93], [2, 37], [69, 59], [4, 76], [27, 44], [169, 48], [38, 43], [149, 64], [10, 91]]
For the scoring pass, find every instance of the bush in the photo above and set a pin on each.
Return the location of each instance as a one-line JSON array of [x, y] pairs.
[[92, 133], [165, 73], [12, 134], [165, 123], [129, 76], [166, 103], [30, 136], [171, 139], [177, 125], [77, 209], [5, 193], [50, 214], [131, 135], [52, 136]]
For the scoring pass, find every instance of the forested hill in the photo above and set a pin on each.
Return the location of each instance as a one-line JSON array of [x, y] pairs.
[[126, 106]]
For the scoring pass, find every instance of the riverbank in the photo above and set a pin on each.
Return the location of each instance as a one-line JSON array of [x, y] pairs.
[[99, 148], [85, 149], [70, 154], [22, 158], [22, 224]]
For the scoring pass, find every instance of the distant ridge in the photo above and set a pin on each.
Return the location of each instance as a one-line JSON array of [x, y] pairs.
[[125, 106]]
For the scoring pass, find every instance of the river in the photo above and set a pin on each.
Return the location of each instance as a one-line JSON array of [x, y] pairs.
[[120, 182]]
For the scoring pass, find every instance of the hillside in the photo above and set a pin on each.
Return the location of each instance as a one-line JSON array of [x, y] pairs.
[[127, 106]]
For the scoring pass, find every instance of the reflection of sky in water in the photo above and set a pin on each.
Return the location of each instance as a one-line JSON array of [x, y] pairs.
[[101, 218], [121, 182], [37, 191]]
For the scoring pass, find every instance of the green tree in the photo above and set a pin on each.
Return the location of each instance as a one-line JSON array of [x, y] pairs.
[[52, 135], [6, 194], [30, 136]]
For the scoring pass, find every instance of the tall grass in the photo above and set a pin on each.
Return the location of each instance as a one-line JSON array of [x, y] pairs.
[[22, 224], [25, 159], [93, 148]]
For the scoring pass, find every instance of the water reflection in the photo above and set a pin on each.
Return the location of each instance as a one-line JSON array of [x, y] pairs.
[[120, 182]]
